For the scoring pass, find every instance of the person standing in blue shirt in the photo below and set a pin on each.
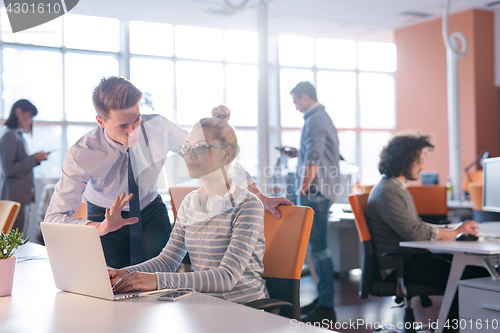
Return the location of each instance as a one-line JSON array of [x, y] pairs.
[[317, 175]]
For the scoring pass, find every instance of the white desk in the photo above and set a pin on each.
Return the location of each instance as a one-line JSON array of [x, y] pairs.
[[479, 301], [37, 306], [484, 252], [459, 204]]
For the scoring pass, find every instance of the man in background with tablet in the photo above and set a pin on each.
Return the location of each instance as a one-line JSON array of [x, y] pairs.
[[317, 174]]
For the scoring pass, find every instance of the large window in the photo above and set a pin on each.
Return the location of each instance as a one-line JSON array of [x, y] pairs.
[[58, 77], [355, 83], [184, 72], [209, 67], [35, 74]]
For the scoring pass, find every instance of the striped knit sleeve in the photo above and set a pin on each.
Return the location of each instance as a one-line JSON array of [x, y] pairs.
[[247, 225], [172, 254]]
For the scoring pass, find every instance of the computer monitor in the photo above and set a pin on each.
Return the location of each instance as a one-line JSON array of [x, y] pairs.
[[491, 185], [429, 178]]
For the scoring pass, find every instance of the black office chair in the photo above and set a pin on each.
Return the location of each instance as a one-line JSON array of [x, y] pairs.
[[371, 282]]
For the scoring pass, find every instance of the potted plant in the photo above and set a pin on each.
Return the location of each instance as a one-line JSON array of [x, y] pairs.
[[8, 243]]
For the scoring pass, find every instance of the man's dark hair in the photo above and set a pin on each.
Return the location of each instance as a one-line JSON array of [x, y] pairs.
[[397, 158], [305, 87], [25, 106]]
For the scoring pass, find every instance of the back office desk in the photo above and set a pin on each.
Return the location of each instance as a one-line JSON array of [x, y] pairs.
[[484, 252], [37, 306], [343, 239]]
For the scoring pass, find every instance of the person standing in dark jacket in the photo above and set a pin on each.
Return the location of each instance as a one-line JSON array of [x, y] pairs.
[[16, 167]]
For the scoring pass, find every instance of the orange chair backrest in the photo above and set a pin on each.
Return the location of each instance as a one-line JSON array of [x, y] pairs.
[[8, 213], [368, 188], [286, 241], [476, 195], [358, 205], [429, 199], [472, 177], [360, 188], [177, 194], [82, 211]]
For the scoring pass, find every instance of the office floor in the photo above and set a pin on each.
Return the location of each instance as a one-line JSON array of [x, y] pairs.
[[351, 310]]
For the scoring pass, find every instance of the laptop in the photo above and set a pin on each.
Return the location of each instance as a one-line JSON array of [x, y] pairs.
[[77, 261]]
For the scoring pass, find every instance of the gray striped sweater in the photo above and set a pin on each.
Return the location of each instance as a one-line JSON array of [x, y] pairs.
[[226, 251]]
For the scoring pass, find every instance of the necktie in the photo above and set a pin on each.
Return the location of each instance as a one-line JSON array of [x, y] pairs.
[[136, 251]]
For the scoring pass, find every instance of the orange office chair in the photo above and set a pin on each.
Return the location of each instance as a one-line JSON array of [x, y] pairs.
[[82, 211], [177, 194], [361, 188], [286, 246], [472, 177], [430, 201], [371, 282], [476, 195], [368, 188], [8, 213]]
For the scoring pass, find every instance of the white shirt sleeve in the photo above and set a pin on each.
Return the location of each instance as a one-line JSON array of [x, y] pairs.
[[68, 193]]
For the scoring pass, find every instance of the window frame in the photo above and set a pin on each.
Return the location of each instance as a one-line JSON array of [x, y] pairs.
[[123, 56]]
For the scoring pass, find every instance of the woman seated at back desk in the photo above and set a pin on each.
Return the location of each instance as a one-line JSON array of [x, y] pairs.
[[220, 225]]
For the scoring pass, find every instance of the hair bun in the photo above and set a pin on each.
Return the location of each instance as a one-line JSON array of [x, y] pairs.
[[221, 112]]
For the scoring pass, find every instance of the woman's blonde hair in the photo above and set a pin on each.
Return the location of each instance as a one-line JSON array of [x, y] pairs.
[[219, 128]]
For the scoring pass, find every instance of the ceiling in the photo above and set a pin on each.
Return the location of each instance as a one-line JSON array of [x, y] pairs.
[[354, 19]]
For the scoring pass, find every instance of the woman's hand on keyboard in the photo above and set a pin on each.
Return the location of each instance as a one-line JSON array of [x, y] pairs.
[[116, 274], [136, 281]]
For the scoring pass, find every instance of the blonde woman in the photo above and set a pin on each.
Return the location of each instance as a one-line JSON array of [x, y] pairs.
[[220, 225]]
